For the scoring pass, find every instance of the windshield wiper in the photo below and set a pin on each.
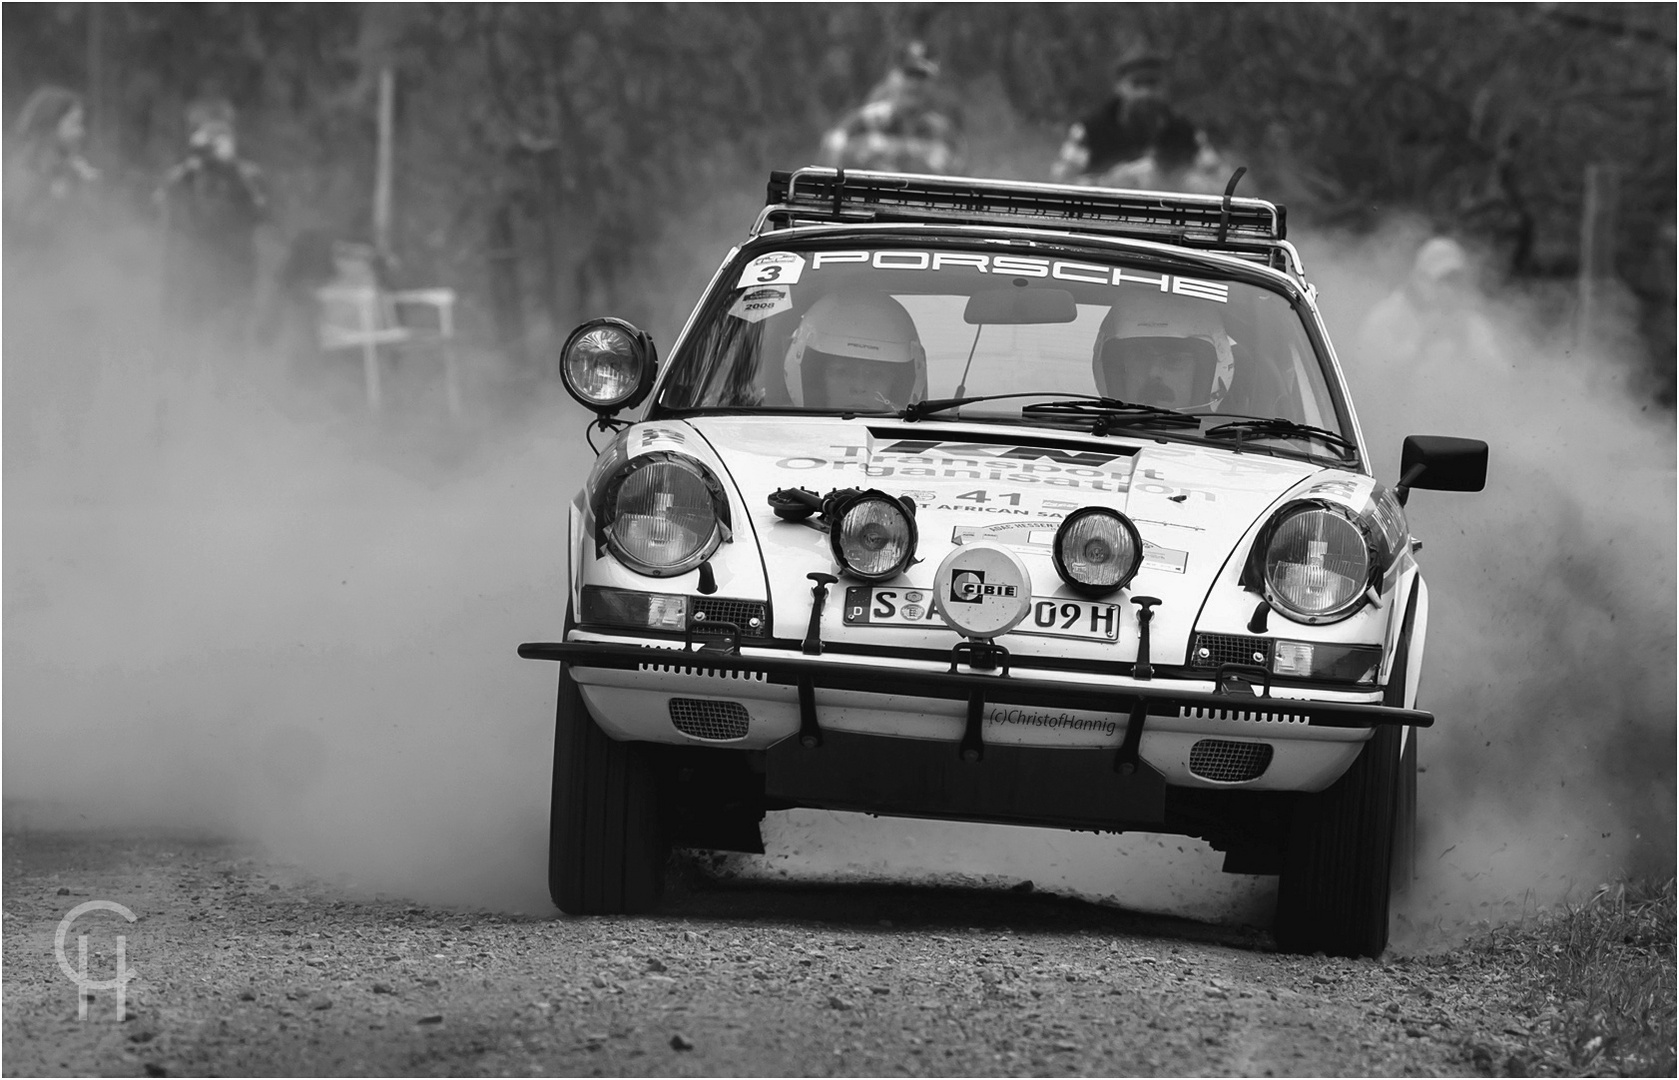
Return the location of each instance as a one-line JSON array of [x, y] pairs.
[[918, 410], [1277, 425], [1108, 412], [1105, 412]]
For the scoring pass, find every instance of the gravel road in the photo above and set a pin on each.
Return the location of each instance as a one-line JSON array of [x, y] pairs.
[[248, 966]]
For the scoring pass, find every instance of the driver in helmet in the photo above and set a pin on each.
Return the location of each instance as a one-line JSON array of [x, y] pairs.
[[1163, 349], [856, 349]]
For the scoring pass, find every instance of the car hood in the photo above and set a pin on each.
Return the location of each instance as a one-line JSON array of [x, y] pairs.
[[1192, 506]]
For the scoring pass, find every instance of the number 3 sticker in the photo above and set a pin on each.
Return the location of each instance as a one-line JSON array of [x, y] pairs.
[[776, 268]]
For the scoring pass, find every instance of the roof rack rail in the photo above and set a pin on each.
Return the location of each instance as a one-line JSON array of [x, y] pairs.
[[815, 195]]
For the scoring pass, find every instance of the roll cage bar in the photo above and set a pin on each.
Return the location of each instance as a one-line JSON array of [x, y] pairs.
[[1251, 229]]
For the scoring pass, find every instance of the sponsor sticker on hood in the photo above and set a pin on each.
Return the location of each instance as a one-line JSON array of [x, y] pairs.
[[1040, 536]]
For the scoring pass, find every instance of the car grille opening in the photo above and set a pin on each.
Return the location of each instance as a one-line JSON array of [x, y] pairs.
[[751, 616], [713, 721], [1212, 650], [1228, 761]]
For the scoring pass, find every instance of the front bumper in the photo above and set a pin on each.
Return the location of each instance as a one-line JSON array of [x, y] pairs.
[[1133, 724]]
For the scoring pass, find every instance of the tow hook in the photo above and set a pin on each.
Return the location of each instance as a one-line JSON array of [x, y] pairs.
[[1143, 670], [818, 600], [981, 655], [1130, 758]]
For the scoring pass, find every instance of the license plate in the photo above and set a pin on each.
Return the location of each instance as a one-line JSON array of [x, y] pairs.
[[1051, 616]]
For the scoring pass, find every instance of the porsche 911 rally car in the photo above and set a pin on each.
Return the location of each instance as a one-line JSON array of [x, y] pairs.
[[998, 502]]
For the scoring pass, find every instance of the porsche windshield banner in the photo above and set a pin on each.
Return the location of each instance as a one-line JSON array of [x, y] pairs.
[[1030, 266]]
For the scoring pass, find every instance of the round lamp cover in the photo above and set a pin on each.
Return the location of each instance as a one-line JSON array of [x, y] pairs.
[[982, 590]]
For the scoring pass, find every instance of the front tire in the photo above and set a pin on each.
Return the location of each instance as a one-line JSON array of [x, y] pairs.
[[1337, 871], [1405, 824], [606, 844], [1351, 843]]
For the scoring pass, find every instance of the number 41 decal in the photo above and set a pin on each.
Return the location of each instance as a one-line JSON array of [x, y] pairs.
[[981, 496]]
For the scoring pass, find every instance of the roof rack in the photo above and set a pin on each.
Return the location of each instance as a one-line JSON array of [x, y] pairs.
[[813, 196]]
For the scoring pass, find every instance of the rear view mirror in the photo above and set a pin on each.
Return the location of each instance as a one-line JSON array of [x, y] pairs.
[[1018, 306], [1441, 463]]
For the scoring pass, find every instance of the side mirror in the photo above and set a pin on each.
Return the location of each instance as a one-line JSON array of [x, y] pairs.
[[608, 365], [1441, 463]]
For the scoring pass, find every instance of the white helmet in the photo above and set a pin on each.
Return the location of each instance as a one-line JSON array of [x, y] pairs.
[[1163, 349], [868, 335]]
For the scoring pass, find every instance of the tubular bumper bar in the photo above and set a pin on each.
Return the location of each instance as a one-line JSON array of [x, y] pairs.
[[793, 671]]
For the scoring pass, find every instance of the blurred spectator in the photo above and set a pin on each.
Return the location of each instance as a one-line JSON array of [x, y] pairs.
[[1431, 328], [48, 180], [1136, 138], [899, 128], [213, 203]]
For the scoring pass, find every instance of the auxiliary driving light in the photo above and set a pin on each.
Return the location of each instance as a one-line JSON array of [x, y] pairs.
[[1097, 550], [873, 535], [608, 365]]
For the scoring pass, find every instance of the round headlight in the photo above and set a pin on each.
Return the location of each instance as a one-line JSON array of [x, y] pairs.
[[873, 536], [1097, 550], [663, 514], [1317, 565], [607, 365]]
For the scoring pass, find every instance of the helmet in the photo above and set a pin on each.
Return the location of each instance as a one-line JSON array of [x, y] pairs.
[[856, 348], [1163, 349]]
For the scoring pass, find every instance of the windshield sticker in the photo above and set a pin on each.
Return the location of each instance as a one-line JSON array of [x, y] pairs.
[[759, 303], [1014, 266], [776, 268]]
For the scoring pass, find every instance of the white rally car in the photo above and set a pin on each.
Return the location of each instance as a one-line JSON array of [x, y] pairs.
[[996, 502]]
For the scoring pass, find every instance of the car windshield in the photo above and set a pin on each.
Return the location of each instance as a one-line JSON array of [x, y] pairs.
[[873, 329]]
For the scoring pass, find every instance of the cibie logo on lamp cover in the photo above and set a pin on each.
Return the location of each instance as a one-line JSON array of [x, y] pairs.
[[982, 590]]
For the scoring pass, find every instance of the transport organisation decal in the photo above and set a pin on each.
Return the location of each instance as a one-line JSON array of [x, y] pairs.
[[910, 459], [1047, 467], [1031, 266]]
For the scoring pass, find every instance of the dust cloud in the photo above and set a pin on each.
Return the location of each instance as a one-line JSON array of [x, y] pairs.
[[234, 604], [1551, 649]]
